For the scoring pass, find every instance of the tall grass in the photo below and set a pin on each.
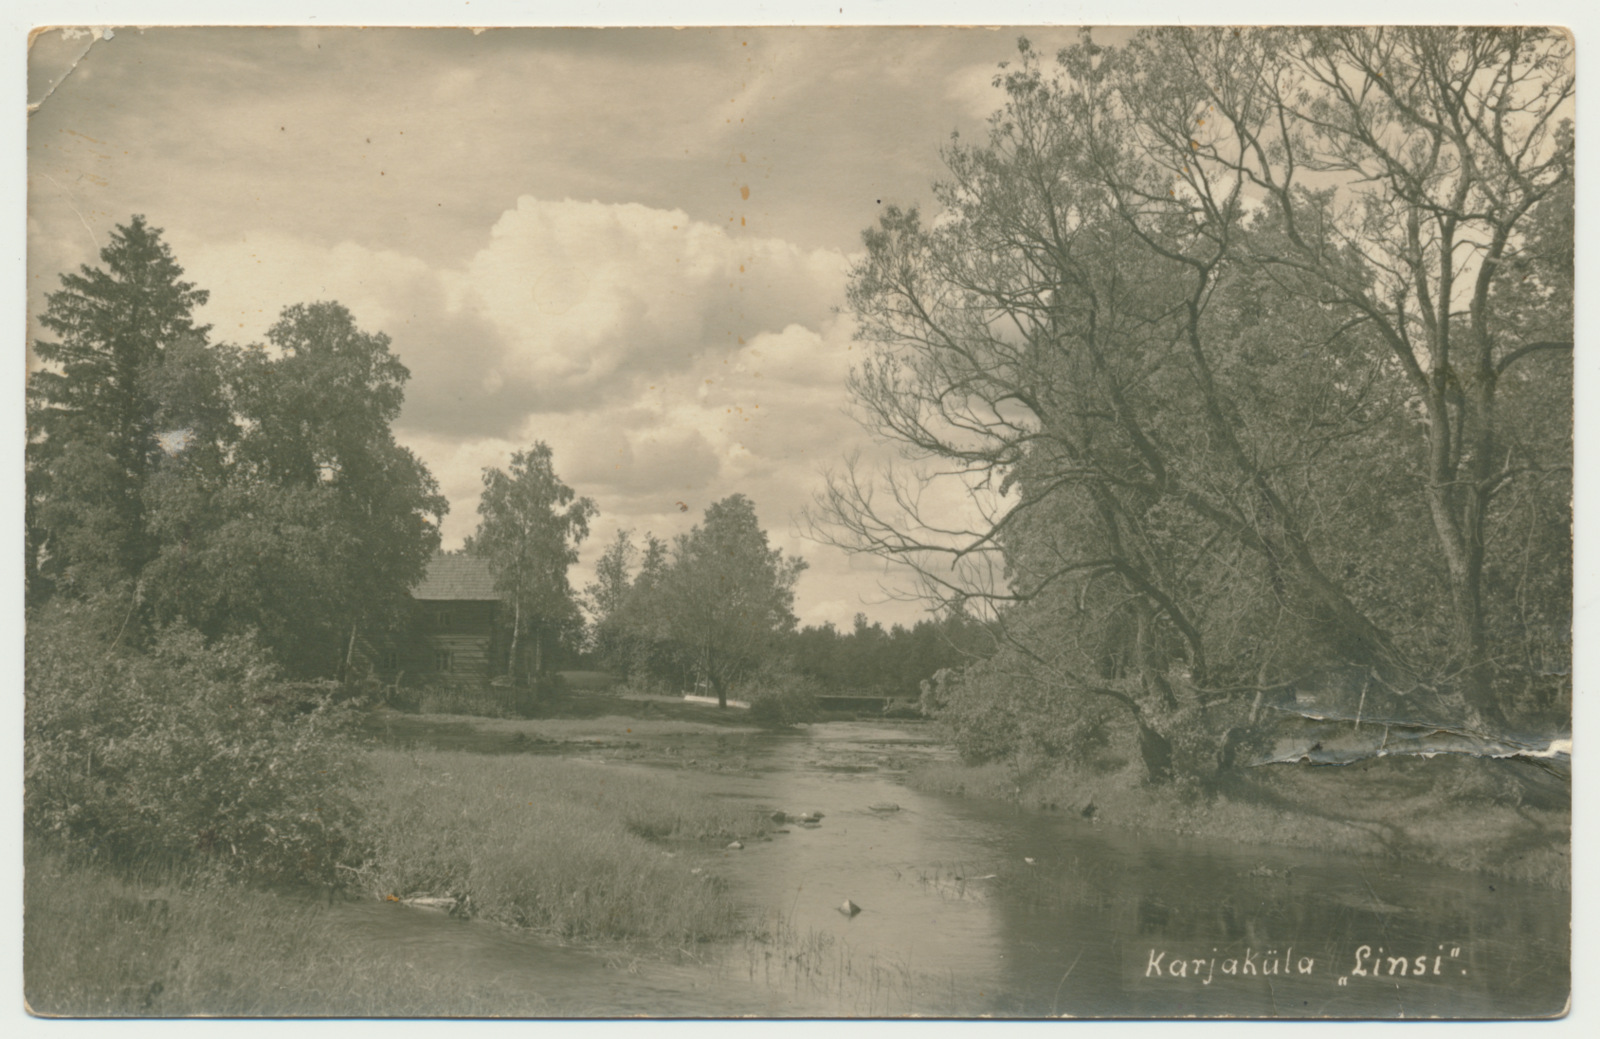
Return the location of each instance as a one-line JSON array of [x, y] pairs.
[[98, 945], [563, 846]]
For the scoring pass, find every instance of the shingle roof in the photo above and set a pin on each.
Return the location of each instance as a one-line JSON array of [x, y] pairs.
[[455, 576]]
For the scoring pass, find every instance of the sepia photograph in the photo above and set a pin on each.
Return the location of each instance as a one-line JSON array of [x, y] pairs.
[[798, 521]]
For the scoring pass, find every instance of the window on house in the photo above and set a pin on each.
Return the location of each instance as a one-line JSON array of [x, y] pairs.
[[442, 660], [441, 618], [390, 661]]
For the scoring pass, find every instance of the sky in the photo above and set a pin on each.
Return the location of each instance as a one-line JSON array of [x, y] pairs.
[[632, 244]]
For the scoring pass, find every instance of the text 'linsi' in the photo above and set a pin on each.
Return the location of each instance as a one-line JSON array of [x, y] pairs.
[[1376, 964]]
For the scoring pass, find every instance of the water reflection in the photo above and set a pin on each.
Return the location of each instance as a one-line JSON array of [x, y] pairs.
[[1107, 923], [1192, 929]]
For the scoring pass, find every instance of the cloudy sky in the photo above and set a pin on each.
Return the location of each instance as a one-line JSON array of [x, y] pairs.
[[631, 244]]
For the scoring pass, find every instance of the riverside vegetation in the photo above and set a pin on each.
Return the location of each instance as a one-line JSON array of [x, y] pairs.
[[190, 817], [218, 538], [1462, 813], [187, 814]]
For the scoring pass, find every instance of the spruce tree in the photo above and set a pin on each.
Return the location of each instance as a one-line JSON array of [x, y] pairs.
[[93, 436]]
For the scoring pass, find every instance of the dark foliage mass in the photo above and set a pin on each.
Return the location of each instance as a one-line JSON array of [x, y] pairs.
[[93, 415], [893, 663], [238, 490], [211, 532]]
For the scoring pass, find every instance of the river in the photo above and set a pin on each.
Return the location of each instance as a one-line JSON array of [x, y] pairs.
[[971, 909]]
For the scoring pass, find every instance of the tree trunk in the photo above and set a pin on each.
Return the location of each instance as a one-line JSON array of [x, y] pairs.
[[716, 680], [1156, 750], [516, 628], [349, 652], [1468, 647], [1471, 650], [1460, 464]]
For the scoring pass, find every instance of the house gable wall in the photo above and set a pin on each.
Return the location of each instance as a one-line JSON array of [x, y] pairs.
[[455, 639], [453, 633]]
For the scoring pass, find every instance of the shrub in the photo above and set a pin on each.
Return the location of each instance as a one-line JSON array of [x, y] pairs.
[[1000, 710], [484, 700], [782, 698], [977, 714], [186, 753]]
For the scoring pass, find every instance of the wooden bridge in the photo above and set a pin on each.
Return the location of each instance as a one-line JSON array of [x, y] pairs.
[[869, 704]]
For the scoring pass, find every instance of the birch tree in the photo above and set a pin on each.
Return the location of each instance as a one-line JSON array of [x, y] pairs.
[[529, 528]]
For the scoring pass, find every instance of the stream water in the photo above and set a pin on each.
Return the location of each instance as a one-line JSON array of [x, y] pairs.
[[969, 909]]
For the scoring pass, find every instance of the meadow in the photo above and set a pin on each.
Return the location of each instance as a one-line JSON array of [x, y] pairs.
[[569, 847], [97, 943]]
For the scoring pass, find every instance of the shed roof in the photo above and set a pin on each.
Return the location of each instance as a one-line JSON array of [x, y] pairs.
[[457, 576]]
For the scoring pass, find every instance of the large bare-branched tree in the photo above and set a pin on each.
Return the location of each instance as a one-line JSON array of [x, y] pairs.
[[1405, 166], [1185, 333]]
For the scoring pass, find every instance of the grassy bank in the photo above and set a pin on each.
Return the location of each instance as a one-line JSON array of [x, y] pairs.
[[96, 944], [1497, 817], [513, 735], [566, 846], [687, 737]]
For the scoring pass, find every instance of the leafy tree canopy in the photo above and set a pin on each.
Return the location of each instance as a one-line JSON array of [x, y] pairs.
[[1219, 330], [240, 490], [727, 593], [93, 434], [529, 528]]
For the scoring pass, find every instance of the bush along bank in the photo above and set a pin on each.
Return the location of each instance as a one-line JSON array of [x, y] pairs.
[[185, 756], [1215, 771], [552, 845]]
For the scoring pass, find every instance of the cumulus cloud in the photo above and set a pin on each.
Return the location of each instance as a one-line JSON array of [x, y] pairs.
[[673, 341], [570, 305], [590, 294], [667, 362]]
